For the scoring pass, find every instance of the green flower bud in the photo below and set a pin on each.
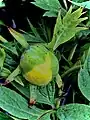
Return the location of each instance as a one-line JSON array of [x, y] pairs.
[[39, 65]]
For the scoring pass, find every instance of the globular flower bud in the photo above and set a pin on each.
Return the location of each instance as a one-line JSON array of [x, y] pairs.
[[39, 65]]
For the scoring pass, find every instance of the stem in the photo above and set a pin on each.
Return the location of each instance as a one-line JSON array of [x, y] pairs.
[[71, 70], [48, 111]]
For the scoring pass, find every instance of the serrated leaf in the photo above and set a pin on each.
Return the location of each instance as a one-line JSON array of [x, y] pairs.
[[4, 117], [17, 106], [85, 4], [19, 37], [84, 77], [2, 57], [43, 94], [66, 28], [49, 5], [74, 112]]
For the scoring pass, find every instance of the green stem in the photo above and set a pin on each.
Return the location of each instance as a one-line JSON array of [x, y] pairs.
[[48, 111], [71, 70]]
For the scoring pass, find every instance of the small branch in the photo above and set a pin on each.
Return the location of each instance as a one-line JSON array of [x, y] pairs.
[[71, 70]]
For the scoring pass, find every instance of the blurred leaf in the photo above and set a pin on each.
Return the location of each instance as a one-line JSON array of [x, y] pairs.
[[4, 117], [74, 112], [2, 57], [84, 77], [78, 0], [66, 28], [3, 39], [2, 23], [52, 6], [85, 4], [17, 106], [2, 4], [19, 37]]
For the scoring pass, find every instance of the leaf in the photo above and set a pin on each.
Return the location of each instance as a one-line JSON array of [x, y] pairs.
[[14, 74], [85, 4], [2, 4], [84, 77], [74, 112], [43, 94], [50, 14], [33, 29], [19, 79], [52, 6], [32, 39], [19, 37], [4, 72], [9, 46], [66, 28], [22, 89], [3, 39], [72, 53], [59, 81], [17, 106], [4, 116], [2, 57], [45, 117]]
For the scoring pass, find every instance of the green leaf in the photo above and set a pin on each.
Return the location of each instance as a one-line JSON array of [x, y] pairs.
[[66, 28], [2, 4], [84, 77], [19, 79], [9, 46], [33, 29], [19, 37], [17, 106], [4, 117], [3, 39], [74, 112], [85, 4], [50, 14], [59, 81], [52, 6], [13, 75], [22, 89], [43, 94], [2, 57], [45, 117], [4, 72]]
